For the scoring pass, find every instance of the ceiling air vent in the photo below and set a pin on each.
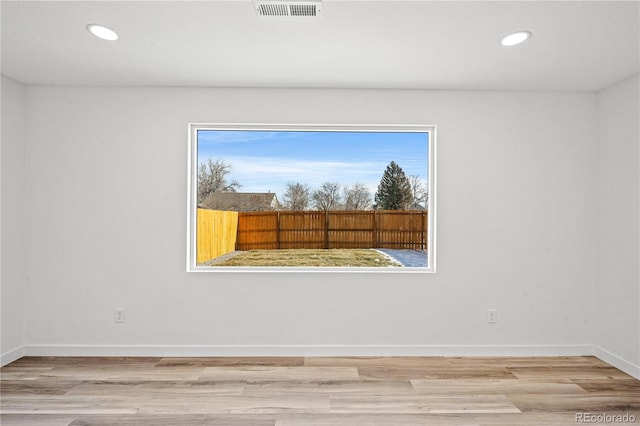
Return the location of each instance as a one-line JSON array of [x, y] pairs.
[[287, 9]]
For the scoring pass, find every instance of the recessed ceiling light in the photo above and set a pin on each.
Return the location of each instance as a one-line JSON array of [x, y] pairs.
[[102, 32], [516, 38]]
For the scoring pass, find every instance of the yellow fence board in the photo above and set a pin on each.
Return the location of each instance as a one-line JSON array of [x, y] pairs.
[[216, 233]]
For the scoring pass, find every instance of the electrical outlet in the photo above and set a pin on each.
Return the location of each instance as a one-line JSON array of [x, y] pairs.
[[492, 316], [119, 315]]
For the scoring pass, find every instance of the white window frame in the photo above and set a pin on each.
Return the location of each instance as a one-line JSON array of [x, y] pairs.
[[192, 188]]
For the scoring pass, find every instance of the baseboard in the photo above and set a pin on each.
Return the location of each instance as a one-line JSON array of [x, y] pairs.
[[618, 362], [307, 350], [322, 350], [12, 355]]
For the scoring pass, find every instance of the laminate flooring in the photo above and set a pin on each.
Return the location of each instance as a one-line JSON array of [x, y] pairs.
[[330, 391]]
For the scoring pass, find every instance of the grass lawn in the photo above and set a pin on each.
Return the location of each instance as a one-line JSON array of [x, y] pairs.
[[310, 257]]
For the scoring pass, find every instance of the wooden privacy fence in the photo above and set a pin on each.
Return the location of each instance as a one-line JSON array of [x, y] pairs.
[[399, 229], [216, 233]]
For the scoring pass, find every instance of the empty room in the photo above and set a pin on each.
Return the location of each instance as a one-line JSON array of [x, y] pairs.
[[320, 212]]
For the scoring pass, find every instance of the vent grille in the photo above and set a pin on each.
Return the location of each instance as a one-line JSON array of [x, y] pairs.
[[302, 10], [287, 9]]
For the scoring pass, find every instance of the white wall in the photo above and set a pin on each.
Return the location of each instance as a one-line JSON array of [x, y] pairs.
[[106, 209], [13, 209], [617, 285]]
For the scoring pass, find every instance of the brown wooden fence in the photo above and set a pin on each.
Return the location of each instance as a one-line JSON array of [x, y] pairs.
[[399, 229]]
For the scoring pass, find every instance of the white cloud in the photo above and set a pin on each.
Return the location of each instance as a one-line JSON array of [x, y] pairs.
[[208, 138], [260, 174]]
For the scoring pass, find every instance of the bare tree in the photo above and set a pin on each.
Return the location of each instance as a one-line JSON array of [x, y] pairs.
[[357, 197], [419, 190], [212, 177], [296, 196], [327, 197]]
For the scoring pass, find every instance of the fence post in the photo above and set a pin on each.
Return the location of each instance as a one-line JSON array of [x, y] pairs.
[[278, 230], [426, 230], [326, 229], [423, 228], [375, 229]]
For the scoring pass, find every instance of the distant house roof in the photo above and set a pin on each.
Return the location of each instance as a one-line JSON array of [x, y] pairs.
[[241, 201]]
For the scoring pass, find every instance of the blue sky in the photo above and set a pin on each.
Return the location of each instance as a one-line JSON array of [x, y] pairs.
[[265, 161]]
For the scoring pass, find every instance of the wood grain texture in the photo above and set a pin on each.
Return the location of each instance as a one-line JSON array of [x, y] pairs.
[[231, 362], [332, 391], [288, 374]]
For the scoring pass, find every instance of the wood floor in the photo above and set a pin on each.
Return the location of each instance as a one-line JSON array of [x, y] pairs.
[[314, 391]]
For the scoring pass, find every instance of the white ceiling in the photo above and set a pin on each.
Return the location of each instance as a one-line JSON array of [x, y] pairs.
[[576, 45]]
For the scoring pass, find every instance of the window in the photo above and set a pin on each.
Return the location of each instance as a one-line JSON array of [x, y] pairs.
[[311, 198]]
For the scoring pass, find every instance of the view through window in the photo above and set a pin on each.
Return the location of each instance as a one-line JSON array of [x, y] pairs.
[[311, 197]]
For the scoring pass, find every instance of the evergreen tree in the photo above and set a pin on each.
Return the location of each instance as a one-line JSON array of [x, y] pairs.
[[394, 190]]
